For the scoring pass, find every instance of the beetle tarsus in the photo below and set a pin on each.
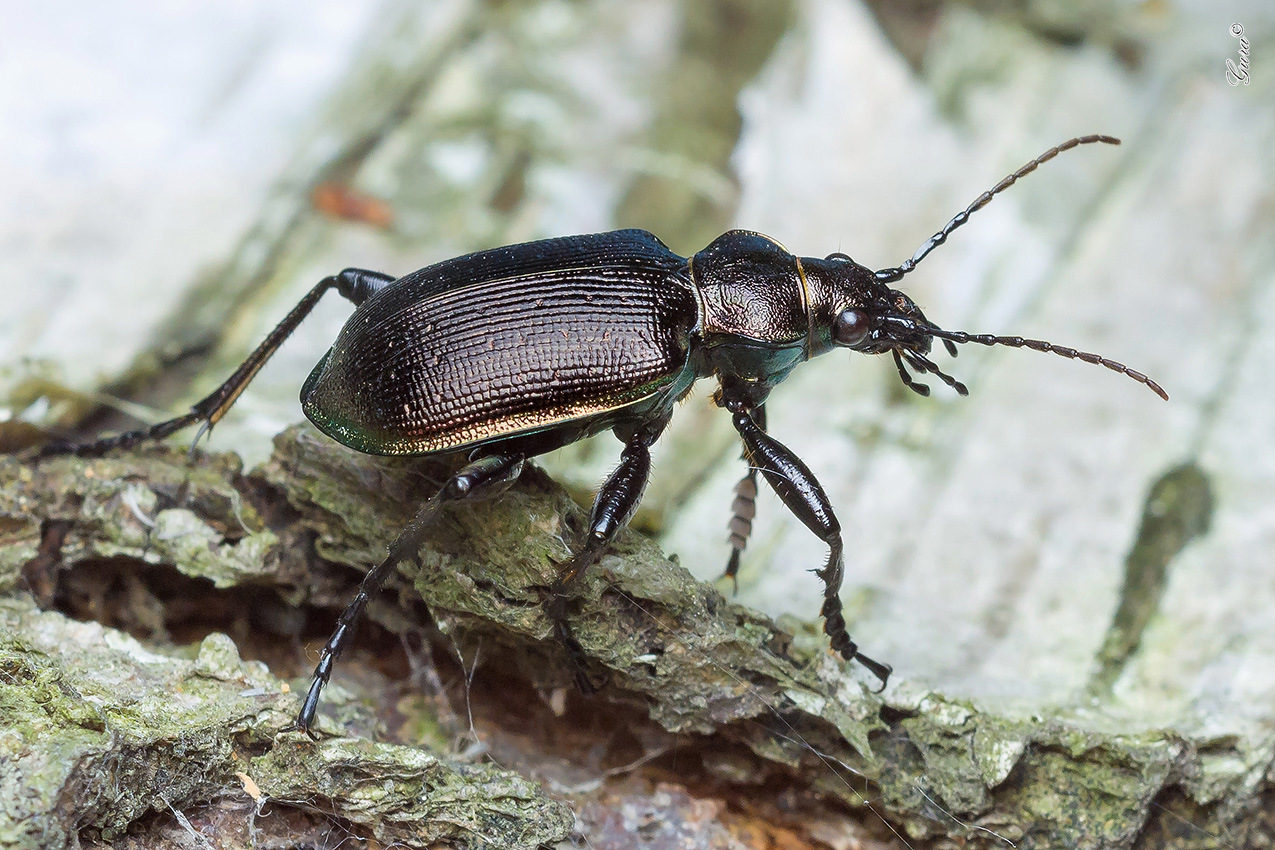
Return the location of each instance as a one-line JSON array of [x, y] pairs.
[[205, 429], [876, 668], [555, 605], [732, 570], [577, 659], [743, 509]]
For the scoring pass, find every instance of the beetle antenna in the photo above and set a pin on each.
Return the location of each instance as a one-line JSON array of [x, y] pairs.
[[893, 274], [919, 389], [1050, 348]]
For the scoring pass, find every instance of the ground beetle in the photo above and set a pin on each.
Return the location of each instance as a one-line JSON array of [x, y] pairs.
[[509, 353]]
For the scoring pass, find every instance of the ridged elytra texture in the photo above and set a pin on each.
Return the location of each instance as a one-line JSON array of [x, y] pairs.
[[506, 342]]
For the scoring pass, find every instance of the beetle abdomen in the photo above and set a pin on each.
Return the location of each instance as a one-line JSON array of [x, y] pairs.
[[446, 358]]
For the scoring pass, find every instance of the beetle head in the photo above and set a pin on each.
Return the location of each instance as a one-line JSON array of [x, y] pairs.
[[862, 312], [872, 317], [856, 308]]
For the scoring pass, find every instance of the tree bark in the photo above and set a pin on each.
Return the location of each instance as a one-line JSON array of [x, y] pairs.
[[703, 698]]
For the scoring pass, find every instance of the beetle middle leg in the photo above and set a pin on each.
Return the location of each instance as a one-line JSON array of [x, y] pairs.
[[797, 488], [355, 285], [617, 499], [481, 478], [744, 508]]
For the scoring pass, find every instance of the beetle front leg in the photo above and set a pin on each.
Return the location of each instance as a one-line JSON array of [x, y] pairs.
[[797, 488], [617, 499], [480, 479], [744, 508]]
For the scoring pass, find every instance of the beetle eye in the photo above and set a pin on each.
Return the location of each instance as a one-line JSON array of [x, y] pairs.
[[851, 327]]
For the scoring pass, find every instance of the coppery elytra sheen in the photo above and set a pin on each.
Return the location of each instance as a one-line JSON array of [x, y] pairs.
[[509, 353]]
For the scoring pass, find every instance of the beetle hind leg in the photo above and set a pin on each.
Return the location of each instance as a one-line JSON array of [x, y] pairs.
[[480, 479], [355, 285]]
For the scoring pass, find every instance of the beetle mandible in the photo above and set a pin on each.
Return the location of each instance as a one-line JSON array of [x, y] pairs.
[[509, 353]]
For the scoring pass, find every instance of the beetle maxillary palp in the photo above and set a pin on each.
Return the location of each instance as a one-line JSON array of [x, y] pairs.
[[923, 364], [920, 389]]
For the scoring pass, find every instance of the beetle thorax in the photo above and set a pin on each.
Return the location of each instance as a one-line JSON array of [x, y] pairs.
[[754, 318]]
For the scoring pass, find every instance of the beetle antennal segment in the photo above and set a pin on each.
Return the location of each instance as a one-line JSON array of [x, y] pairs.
[[1049, 348], [893, 274]]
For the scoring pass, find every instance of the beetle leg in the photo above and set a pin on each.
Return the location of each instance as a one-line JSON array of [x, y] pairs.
[[744, 508], [357, 285], [480, 479], [617, 499], [797, 488]]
